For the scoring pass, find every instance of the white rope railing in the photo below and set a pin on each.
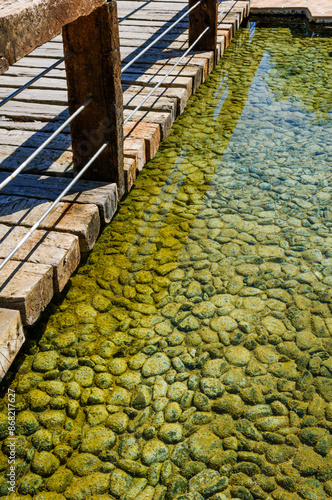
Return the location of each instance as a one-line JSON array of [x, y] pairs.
[[159, 37], [59, 198], [167, 74], [43, 146]]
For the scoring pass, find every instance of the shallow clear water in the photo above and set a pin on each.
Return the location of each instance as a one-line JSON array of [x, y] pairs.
[[192, 352]]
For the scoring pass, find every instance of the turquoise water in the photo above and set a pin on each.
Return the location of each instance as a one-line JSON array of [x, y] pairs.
[[191, 355]]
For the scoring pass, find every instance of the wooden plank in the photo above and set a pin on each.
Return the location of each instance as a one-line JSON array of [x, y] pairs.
[[162, 119], [132, 146], [16, 81], [11, 338], [96, 71], [149, 132], [26, 287], [50, 161], [102, 194], [194, 72], [74, 218], [8, 124], [41, 96], [32, 139], [153, 103], [34, 111], [130, 172], [59, 250], [129, 78], [24, 24], [179, 94]]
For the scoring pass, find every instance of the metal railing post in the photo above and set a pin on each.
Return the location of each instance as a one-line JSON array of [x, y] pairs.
[[94, 71], [204, 16]]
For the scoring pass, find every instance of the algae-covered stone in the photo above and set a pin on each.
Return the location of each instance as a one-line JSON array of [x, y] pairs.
[[307, 461], [311, 489], [141, 397], [30, 484], [42, 440], [212, 387], [171, 433], [129, 447], [237, 355], [324, 386], [203, 444], [121, 482], [101, 303], [158, 364], [84, 376], [214, 368], [204, 310], [118, 422], [45, 464], [96, 415], [38, 400], [45, 361], [154, 451], [223, 323], [84, 464], [26, 423], [52, 419], [92, 486], [223, 426], [229, 403], [98, 439], [119, 397]]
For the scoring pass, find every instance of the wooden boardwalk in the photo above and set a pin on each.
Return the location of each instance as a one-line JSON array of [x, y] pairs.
[[47, 260]]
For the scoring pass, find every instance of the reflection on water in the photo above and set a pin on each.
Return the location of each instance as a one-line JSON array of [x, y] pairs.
[[191, 357]]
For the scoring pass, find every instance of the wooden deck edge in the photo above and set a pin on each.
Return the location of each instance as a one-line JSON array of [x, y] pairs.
[[11, 338]]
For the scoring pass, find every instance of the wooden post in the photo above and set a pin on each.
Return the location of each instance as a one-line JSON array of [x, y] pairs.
[[205, 14], [95, 71]]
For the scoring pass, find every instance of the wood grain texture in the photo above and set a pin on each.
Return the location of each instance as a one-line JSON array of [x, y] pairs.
[[59, 250], [102, 194], [82, 220], [26, 287], [205, 15], [24, 24], [11, 338], [95, 71], [150, 132]]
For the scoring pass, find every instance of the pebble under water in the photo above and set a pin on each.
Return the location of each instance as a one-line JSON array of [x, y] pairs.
[[191, 357]]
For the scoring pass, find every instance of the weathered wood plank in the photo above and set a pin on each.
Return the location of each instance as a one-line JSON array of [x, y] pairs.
[[194, 72], [81, 220], [162, 119], [24, 24], [129, 78], [32, 139], [130, 173], [95, 72], [135, 148], [149, 132], [50, 162], [41, 96], [59, 250], [153, 103], [26, 287], [11, 338], [101, 194], [179, 94], [26, 111], [15, 82]]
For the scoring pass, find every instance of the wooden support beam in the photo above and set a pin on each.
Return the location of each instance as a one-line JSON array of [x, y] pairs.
[[205, 14], [25, 24], [95, 71]]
